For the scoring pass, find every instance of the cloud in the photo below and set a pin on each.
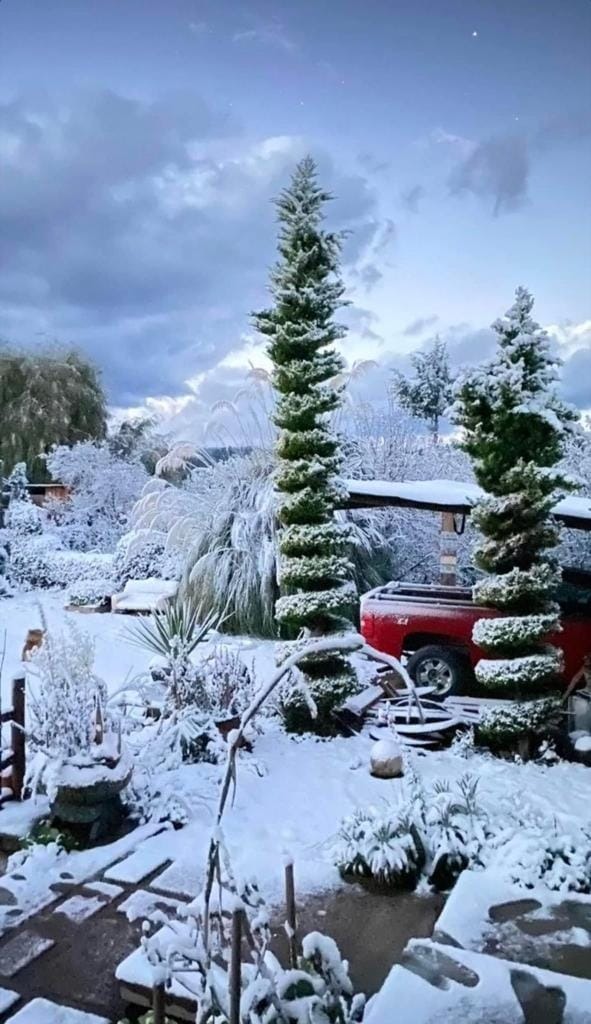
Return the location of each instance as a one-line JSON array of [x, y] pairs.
[[496, 169], [576, 378], [144, 231], [267, 33], [563, 129], [411, 197], [420, 326]]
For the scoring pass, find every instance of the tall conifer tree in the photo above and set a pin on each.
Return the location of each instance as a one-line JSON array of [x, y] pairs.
[[515, 428], [317, 592]]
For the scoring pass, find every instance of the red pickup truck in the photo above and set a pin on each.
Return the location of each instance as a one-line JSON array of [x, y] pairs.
[[432, 627]]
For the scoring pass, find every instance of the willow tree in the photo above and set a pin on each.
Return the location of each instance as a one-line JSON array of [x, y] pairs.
[[317, 592], [515, 428], [47, 397]]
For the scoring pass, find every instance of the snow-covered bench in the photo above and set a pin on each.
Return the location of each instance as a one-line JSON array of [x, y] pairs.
[[144, 595]]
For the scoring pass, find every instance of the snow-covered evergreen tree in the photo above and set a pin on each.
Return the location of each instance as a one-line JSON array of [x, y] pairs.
[[17, 483], [515, 428], [314, 573], [428, 394]]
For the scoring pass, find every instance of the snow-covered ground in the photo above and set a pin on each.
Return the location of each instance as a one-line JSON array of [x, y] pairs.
[[292, 793], [117, 659]]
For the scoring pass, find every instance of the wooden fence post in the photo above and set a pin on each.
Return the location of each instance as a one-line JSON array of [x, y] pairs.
[[158, 1004], [448, 546], [292, 923], [235, 980], [18, 736]]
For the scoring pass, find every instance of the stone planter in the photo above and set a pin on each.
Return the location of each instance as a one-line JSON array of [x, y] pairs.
[[87, 798]]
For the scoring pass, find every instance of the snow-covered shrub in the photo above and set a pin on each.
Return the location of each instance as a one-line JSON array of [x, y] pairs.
[[140, 557], [36, 564], [65, 705], [5, 587], [501, 729], [515, 430], [196, 694], [436, 831], [93, 591], [533, 849], [31, 566], [228, 682], [381, 845], [103, 489], [24, 519]]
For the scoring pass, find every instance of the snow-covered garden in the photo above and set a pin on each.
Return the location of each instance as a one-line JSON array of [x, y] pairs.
[[202, 734]]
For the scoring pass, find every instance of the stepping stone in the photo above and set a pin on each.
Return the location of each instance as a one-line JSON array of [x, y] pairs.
[[539, 927], [43, 1011], [137, 866], [7, 999], [436, 983], [180, 879], [21, 950], [142, 904], [79, 908], [106, 889]]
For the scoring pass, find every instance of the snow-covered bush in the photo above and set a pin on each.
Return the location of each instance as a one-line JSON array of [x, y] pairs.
[[437, 832], [31, 563], [24, 519], [36, 564], [228, 683], [382, 845], [103, 489], [65, 705], [93, 591], [140, 556], [502, 729], [5, 587], [536, 850], [199, 693], [515, 430]]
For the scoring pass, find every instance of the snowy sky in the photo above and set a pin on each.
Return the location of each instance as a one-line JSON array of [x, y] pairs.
[[141, 142]]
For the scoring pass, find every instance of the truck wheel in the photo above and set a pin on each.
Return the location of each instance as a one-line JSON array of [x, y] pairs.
[[441, 667]]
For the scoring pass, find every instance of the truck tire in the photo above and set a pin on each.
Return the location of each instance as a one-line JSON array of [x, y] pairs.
[[444, 668]]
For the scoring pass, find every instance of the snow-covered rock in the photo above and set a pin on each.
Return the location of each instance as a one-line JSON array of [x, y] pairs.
[[386, 760]]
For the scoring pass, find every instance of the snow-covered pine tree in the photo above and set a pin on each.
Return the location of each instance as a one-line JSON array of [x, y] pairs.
[[17, 483], [428, 394], [317, 592], [515, 427]]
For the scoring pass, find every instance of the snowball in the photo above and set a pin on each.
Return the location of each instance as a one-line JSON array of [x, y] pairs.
[[583, 744]]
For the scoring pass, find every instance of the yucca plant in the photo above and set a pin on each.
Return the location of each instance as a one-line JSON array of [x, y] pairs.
[[177, 626]]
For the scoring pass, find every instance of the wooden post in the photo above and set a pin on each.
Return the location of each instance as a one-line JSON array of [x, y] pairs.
[[236, 966], [158, 1005], [17, 741], [448, 544], [291, 923]]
